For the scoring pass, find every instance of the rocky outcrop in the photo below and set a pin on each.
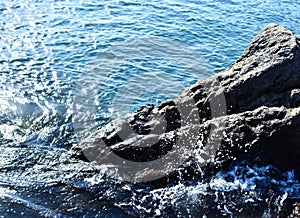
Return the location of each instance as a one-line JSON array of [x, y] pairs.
[[252, 109]]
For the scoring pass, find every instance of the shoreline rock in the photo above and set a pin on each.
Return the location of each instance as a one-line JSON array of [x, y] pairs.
[[251, 109]]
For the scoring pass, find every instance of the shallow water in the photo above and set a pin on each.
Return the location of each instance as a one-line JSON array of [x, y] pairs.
[[51, 51]]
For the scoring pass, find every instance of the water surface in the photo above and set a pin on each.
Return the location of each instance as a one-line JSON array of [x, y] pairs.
[[46, 48]]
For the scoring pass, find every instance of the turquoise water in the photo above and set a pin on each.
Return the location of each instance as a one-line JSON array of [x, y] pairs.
[[46, 48]]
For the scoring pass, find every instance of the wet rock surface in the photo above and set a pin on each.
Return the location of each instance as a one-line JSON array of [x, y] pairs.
[[249, 111]]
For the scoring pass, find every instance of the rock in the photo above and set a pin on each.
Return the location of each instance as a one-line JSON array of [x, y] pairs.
[[296, 212], [252, 109]]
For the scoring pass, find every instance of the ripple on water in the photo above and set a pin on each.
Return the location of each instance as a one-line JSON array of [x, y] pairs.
[[45, 47]]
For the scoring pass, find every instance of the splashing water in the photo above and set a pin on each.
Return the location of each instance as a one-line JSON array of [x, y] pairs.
[[44, 49]]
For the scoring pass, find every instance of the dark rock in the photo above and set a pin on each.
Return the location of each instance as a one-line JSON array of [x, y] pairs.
[[249, 110], [296, 212]]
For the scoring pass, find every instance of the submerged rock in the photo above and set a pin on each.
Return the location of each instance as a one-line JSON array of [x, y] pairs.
[[250, 110]]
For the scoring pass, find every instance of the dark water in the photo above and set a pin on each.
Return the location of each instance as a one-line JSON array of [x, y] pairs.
[[47, 48]]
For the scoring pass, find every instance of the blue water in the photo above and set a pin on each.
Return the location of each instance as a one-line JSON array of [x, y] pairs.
[[46, 48]]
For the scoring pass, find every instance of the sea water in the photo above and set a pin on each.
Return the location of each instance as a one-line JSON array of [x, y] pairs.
[[52, 52]]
